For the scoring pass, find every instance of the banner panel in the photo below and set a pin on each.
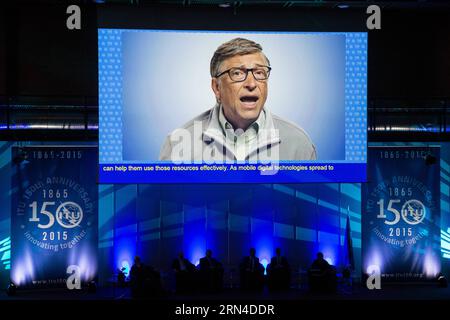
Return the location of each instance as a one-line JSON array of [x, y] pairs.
[[401, 213], [54, 216]]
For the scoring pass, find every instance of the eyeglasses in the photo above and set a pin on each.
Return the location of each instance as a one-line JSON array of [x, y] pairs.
[[240, 74]]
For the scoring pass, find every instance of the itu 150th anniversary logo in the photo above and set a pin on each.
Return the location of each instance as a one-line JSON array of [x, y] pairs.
[[397, 209], [55, 213]]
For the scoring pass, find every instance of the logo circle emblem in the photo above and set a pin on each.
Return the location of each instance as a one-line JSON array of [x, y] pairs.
[[69, 214], [413, 212]]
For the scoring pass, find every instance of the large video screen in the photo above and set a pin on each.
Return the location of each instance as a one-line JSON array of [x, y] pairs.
[[226, 107]]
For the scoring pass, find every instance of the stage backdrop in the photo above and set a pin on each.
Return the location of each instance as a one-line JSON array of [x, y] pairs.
[[401, 213], [54, 215]]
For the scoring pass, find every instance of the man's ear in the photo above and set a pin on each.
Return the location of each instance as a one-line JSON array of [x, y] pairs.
[[215, 88]]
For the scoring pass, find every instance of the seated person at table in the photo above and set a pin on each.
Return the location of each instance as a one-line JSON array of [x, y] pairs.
[[145, 281], [152, 282], [184, 274], [278, 272], [137, 277], [322, 275], [211, 273], [251, 272]]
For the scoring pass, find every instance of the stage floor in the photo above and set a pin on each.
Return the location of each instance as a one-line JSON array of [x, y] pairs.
[[387, 292]]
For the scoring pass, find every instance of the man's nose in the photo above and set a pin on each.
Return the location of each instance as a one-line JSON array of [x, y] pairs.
[[250, 82]]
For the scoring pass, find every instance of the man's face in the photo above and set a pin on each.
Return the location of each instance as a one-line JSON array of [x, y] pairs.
[[242, 101]]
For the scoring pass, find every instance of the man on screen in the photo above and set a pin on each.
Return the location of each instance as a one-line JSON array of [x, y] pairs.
[[239, 127]]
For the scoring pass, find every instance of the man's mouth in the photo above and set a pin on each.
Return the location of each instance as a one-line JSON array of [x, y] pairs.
[[249, 101]]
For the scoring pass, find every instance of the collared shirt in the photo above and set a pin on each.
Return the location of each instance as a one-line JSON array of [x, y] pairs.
[[277, 139], [241, 142]]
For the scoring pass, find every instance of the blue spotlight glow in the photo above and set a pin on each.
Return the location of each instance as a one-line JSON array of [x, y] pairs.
[[195, 254], [264, 262], [329, 255], [124, 251], [431, 264], [125, 267]]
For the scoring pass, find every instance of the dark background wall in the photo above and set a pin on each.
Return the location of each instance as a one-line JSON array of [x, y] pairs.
[[45, 62], [39, 56], [408, 57]]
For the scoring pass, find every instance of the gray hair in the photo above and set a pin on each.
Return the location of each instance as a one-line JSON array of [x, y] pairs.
[[237, 46]]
